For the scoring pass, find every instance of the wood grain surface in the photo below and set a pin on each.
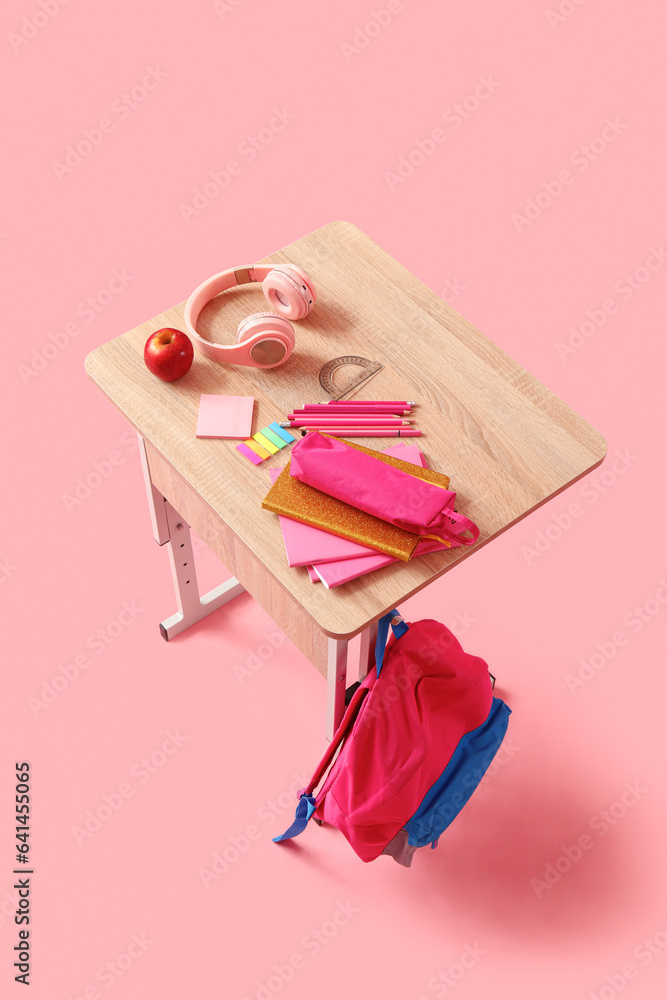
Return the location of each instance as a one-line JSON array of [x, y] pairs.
[[507, 443]]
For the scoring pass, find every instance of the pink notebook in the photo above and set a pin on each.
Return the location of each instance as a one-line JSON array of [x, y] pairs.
[[336, 572], [307, 546]]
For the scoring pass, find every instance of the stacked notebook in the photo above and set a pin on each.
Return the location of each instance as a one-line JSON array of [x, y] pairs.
[[338, 543]]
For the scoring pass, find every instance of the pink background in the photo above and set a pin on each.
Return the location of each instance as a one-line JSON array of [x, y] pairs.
[[554, 82]]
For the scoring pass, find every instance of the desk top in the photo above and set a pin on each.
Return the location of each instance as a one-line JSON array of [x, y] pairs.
[[507, 443]]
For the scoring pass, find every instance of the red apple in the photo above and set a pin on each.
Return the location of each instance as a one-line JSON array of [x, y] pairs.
[[168, 354]]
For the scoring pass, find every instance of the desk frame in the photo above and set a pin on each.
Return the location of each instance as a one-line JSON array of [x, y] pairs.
[[508, 444], [172, 530]]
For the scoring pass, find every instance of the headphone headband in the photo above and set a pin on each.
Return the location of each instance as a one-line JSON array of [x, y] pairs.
[[239, 354]]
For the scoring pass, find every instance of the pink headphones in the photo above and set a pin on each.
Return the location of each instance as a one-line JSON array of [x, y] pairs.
[[265, 339]]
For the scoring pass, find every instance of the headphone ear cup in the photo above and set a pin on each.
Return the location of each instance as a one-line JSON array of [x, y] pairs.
[[289, 291], [266, 322], [305, 283]]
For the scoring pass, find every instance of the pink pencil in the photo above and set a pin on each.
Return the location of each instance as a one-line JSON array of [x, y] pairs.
[[350, 408], [351, 417], [365, 402], [361, 424], [357, 432], [313, 425], [401, 402], [348, 421]]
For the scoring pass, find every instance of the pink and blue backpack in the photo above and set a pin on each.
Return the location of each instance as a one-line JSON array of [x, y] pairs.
[[416, 739]]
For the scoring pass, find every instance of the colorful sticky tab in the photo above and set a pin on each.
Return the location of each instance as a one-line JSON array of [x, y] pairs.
[[265, 443], [282, 433], [252, 455], [257, 448], [268, 433]]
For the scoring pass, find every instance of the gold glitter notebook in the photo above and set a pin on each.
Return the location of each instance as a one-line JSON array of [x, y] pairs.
[[303, 503]]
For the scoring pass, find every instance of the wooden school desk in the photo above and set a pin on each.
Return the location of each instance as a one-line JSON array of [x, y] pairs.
[[506, 442]]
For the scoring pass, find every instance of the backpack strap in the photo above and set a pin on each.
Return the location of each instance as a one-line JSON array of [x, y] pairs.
[[399, 628], [304, 810], [307, 802]]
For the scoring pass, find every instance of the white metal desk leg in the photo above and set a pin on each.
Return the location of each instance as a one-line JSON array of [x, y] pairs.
[[170, 528], [156, 502], [336, 677]]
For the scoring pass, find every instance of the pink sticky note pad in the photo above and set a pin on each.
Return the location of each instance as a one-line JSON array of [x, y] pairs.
[[225, 416]]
